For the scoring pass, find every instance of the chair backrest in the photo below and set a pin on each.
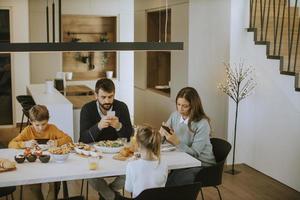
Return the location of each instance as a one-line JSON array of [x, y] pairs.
[[4, 191], [187, 192], [212, 176], [221, 149]]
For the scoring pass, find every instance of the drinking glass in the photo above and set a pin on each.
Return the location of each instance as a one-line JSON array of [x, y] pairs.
[[93, 162]]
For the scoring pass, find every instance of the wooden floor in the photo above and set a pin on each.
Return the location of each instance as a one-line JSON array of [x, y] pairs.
[[247, 185]]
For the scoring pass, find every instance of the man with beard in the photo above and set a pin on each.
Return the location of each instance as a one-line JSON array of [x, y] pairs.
[[97, 122]]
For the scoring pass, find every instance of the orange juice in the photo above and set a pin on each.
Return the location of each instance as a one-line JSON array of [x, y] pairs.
[[92, 165]]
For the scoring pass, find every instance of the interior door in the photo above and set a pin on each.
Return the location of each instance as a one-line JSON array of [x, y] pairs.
[[6, 117]]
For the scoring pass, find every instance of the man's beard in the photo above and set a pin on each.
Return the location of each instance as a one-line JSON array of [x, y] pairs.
[[105, 106]]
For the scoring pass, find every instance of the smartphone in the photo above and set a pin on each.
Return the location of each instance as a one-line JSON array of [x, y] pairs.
[[111, 113], [166, 129]]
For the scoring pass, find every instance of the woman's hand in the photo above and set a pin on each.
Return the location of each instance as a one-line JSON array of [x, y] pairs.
[[171, 137]]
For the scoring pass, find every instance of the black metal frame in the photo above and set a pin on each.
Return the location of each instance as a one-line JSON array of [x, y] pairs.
[[260, 11], [90, 46]]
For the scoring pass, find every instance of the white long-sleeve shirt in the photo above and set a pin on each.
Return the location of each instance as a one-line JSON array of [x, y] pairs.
[[144, 174]]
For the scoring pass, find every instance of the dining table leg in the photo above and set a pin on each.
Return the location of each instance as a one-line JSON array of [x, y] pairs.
[[65, 190]]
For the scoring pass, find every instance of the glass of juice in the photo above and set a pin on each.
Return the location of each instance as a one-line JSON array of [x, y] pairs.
[[93, 162]]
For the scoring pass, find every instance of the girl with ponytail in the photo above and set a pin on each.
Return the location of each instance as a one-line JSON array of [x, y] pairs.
[[148, 171]]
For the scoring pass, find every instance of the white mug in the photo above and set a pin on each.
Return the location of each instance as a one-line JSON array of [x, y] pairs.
[[69, 75], [109, 74], [49, 86]]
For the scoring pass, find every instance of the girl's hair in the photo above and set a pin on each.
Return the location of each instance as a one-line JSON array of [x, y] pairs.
[[196, 109], [38, 113], [149, 139]]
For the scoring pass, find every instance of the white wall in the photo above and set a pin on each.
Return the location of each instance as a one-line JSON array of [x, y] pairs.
[[45, 66], [19, 61], [268, 132], [209, 33], [206, 47], [151, 107]]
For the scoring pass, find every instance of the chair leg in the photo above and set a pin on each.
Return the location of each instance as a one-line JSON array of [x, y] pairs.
[[6, 197], [218, 192], [21, 126], [12, 196], [81, 190], [202, 196]]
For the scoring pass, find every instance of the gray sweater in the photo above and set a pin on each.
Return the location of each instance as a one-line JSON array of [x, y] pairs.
[[196, 144]]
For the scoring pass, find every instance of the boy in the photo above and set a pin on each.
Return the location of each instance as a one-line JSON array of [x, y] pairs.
[[40, 129]]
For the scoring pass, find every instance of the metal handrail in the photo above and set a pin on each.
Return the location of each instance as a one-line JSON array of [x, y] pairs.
[[261, 20]]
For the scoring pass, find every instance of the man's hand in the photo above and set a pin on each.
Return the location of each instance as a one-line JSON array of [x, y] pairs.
[[104, 123], [114, 122]]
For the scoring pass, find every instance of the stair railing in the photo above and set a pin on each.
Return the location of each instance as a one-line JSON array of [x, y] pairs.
[[268, 20]]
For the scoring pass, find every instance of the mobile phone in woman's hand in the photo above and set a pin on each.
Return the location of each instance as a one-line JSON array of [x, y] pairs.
[[166, 129]]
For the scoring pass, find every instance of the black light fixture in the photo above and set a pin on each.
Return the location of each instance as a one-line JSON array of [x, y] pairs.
[[90, 46], [84, 46]]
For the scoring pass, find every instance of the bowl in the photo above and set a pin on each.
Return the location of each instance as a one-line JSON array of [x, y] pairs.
[[60, 158], [20, 158], [42, 141], [44, 158], [31, 158]]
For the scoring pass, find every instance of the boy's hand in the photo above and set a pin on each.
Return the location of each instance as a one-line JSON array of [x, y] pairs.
[[52, 143], [30, 143]]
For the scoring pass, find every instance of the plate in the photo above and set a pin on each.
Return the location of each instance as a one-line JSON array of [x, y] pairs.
[[87, 153], [162, 87], [108, 149], [44, 147]]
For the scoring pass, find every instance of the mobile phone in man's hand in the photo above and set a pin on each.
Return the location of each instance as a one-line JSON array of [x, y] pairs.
[[111, 113]]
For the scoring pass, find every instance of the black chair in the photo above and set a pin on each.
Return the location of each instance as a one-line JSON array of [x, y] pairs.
[[27, 103], [6, 191], [182, 192], [212, 176]]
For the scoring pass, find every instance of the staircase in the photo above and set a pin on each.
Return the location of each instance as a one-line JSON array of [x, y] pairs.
[[276, 23]]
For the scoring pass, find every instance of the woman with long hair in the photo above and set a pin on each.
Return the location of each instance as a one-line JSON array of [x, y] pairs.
[[188, 128]]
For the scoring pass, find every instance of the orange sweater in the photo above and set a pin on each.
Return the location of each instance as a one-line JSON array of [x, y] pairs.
[[51, 132]]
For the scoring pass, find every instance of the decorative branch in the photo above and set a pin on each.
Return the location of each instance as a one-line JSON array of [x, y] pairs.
[[238, 85], [239, 81]]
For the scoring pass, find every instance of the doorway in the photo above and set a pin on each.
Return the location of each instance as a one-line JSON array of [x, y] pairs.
[[6, 117]]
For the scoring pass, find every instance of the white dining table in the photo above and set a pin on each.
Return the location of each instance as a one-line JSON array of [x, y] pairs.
[[76, 167]]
